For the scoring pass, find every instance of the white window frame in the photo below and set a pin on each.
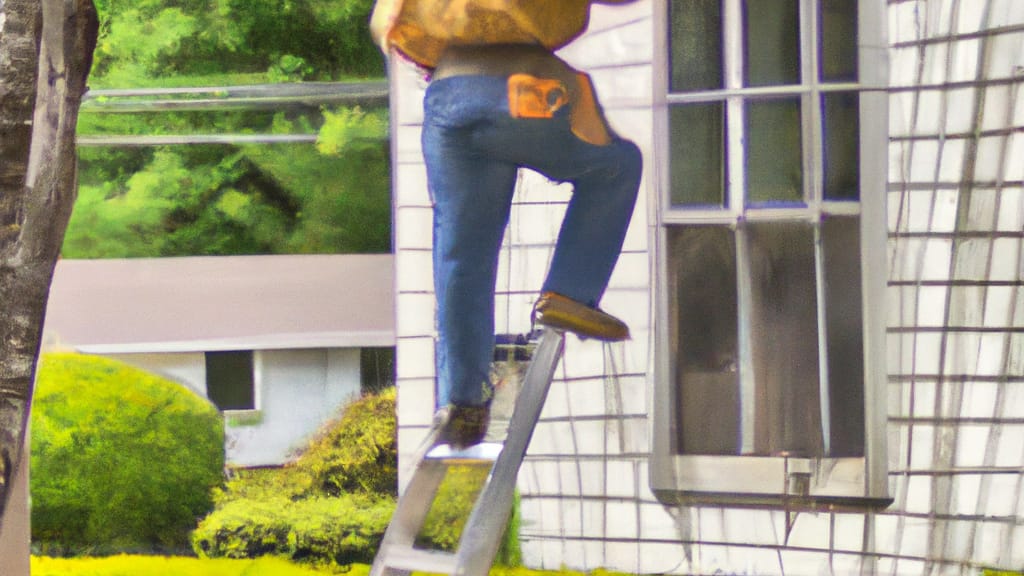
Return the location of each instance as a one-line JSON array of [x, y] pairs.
[[771, 480]]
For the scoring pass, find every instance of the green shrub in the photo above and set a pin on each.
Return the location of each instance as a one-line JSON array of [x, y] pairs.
[[337, 530], [357, 452], [331, 505], [121, 459], [353, 453]]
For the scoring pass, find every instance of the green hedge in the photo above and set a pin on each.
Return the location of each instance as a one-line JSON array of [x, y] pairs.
[[333, 503], [330, 506], [357, 453], [122, 460], [338, 530]]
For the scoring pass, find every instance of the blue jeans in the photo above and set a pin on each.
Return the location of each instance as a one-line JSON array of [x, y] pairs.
[[473, 148]]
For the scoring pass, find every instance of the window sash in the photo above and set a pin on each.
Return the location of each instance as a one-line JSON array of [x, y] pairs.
[[753, 478]]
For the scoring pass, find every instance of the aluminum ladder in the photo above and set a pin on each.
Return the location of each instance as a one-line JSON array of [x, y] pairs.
[[483, 531]]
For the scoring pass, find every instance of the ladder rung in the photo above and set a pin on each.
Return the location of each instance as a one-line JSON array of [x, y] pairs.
[[415, 559], [486, 522], [483, 452]]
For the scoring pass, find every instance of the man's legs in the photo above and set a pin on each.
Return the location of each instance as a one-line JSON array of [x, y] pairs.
[[472, 198], [605, 179]]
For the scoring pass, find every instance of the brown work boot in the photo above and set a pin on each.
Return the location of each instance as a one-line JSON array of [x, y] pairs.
[[465, 426], [564, 313]]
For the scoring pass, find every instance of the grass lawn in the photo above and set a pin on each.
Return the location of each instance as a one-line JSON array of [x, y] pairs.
[[126, 565]]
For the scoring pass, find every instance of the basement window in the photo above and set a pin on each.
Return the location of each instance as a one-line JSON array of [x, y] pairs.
[[771, 254], [230, 380]]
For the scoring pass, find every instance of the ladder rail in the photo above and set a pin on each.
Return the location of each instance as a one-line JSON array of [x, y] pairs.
[[482, 534]]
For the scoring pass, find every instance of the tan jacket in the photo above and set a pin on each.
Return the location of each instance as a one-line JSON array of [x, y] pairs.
[[422, 29]]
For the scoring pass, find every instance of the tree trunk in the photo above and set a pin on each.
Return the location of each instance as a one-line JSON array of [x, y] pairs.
[[45, 53]]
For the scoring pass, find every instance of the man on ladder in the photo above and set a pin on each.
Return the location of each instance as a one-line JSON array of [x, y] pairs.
[[500, 100]]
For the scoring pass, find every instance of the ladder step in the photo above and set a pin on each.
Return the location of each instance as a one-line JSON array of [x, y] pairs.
[[483, 452], [486, 523], [415, 559]]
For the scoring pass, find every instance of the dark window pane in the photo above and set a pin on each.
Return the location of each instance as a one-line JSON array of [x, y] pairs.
[[376, 369], [772, 42], [845, 329], [838, 40], [229, 382], [696, 38], [697, 141], [774, 161], [841, 112], [784, 338], [703, 333]]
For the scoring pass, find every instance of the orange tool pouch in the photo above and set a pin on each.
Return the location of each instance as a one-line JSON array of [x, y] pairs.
[[532, 97], [586, 120]]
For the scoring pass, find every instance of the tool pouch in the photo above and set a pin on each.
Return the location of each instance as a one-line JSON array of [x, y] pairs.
[[586, 120], [532, 97]]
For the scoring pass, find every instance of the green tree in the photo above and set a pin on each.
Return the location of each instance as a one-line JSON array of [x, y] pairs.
[[221, 199], [252, 199], [146, 40]]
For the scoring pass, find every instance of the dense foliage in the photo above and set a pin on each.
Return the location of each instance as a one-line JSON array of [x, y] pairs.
[[329, 506], [144, 41], [223, 199], [121, 460], [331, 531], [333, 503], [251, 199]]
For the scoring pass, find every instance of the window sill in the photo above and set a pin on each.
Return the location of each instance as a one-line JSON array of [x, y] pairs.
[[242, 418], [827, 483]]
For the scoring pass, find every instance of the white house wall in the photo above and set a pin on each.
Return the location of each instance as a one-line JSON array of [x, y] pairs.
[[188, 368], [956, 326], [297, 391]]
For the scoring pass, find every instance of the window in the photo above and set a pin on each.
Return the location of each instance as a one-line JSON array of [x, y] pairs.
[[771, 252], [230, 382]]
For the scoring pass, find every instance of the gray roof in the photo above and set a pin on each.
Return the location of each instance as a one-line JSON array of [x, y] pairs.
[[213, 303]]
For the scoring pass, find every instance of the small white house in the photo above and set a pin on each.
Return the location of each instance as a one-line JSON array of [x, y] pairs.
[[824, 278], [273, 341]]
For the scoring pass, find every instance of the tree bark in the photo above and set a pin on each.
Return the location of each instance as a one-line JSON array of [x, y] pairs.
[[46, 50]]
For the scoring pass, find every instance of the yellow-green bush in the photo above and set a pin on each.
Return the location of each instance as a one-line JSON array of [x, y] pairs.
[[357, 452], [330, 506], [333, 530], [122, 460], [353, 453]]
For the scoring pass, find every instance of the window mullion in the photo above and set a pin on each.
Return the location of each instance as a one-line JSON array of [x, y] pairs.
[[736, 194], [814, 193], [748, 387], [811, 108], [733, 56], [824, 394]]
